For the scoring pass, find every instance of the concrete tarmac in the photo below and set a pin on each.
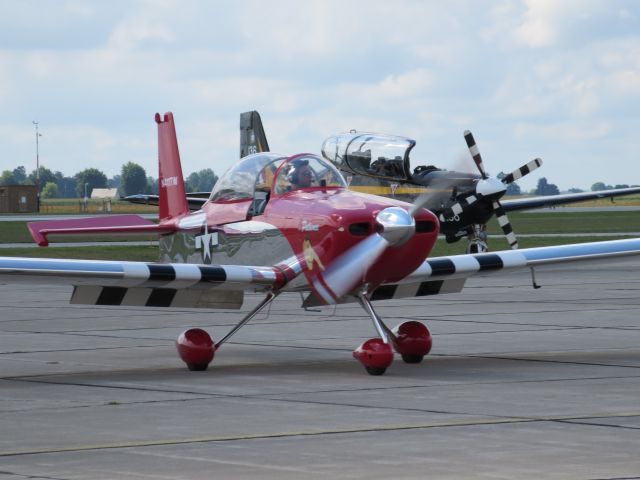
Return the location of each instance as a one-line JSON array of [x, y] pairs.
[[521, 383]]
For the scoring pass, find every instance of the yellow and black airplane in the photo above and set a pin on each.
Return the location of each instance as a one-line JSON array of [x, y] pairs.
[[379, 164]]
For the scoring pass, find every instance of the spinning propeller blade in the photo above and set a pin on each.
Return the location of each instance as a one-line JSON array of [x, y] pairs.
[[490, 187], [505, 224], [395, 227], [522, 171], [475, 153]]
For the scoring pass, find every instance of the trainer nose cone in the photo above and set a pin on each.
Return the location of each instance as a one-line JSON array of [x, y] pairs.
[[397, 225], [491, 187]]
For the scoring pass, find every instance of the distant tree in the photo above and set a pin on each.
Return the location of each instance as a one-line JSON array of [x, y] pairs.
[[192, 181], [46, 176], [20, 174], [134, 179], [545, 188], [91, 176], [599, 186], [7, 178], [202, 181], [115, 182], [575, 190], [623, 185], [66, 186], [152, 186], [50, 190]]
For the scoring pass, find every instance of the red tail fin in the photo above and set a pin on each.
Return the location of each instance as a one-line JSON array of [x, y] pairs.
[[173, 200]]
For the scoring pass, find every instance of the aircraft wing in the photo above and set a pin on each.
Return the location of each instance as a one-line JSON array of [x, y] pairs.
[[441, 275], [549, 200], [195, 200], [146, 284], [212, 286]]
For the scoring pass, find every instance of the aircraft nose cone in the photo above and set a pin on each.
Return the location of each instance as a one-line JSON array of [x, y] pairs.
[[397, 225], [491, 187]]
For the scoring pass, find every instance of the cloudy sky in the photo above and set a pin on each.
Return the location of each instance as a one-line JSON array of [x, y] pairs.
[[558, 80]]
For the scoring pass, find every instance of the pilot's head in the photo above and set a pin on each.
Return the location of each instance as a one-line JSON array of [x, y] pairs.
[[301, 176]]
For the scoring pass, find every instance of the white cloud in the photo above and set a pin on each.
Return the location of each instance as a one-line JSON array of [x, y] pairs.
[[94, 73], [547, 23]]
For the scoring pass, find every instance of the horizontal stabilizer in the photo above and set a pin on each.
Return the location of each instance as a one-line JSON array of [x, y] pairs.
[[103, 225]]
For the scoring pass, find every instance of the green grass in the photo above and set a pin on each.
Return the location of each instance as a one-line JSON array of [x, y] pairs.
[[14, 232], [76, 205], [570, 222], [145, 253], [443, 248]]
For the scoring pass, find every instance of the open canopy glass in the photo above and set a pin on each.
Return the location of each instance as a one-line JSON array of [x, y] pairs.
[[371, 154]]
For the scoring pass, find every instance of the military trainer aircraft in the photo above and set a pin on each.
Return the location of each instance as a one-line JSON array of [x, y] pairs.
[[276, 224], [464, 202]]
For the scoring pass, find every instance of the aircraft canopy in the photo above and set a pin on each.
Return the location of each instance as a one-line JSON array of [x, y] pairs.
[[371, 154], [264, 171]]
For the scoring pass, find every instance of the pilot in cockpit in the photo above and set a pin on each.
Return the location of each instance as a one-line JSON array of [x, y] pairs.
[[302, 175]]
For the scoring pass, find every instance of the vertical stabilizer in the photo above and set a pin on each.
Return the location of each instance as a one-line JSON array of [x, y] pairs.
[[173, 200], [252, 136]]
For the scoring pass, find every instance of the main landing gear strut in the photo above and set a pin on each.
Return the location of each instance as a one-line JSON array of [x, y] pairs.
[[412, 340], [196, 348]]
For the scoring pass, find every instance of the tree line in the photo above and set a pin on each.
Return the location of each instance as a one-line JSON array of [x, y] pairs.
[[546, 188], [132, 180]]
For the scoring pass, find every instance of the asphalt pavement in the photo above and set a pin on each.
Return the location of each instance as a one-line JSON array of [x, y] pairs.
[[521, 383]]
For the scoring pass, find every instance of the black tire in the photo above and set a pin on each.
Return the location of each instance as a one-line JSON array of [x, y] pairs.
[[412, 358], [376, 370], [198, 368]]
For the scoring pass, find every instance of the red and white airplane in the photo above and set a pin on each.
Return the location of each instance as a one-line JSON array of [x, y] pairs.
[[278, 224]]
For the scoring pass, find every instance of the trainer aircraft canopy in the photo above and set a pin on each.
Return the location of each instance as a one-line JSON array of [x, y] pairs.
[[371, 154]]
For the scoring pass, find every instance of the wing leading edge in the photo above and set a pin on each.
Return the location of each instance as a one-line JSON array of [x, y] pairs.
[[563, 199], [145, 284], [440, 275], [187, 285]]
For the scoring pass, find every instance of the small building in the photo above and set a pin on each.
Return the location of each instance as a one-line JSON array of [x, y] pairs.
[[18, 199], [104, 193]]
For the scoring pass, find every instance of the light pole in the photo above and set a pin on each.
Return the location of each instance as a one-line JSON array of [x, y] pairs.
[[37, 166]]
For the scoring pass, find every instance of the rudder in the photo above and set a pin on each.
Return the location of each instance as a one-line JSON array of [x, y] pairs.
[[252, 136], [172, 196]]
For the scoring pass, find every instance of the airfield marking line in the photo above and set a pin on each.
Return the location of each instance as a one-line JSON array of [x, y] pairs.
[[565, 362], [328, 431]]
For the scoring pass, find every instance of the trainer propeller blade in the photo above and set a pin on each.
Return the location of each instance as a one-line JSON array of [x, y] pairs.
[[505, 225], [396, 226], [522, 171], [475, 153]]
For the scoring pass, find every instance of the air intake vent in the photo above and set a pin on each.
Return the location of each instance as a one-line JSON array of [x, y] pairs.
[[425, 226], [360, 229]]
